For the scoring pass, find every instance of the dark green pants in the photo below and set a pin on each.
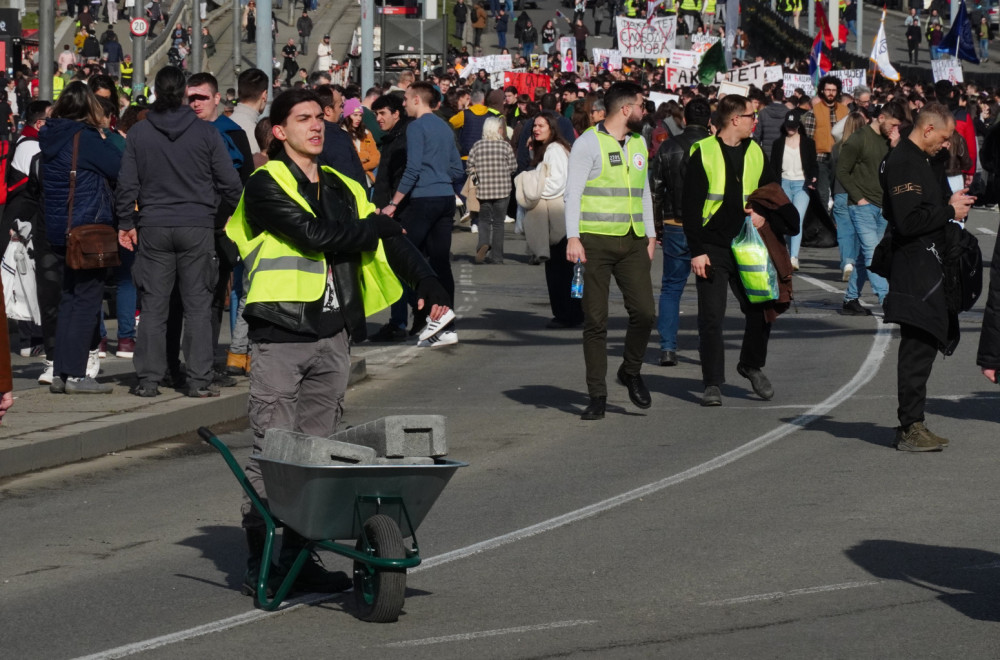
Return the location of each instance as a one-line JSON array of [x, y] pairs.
[[627, 258]]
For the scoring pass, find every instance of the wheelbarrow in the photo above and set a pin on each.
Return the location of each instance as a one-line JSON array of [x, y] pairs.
[[370, 503]]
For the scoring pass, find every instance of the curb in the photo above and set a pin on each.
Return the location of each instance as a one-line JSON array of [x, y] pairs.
[[81, 440]]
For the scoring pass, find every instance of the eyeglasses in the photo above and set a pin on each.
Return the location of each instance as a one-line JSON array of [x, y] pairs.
[[751, 115]]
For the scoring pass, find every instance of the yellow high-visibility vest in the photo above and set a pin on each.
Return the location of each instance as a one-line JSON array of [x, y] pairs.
[[280, 272], [612, 203], [715, 169]]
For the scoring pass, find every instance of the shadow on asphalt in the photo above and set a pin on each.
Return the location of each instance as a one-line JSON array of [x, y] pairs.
[[225, 546], [938, 569], [976, 405], [870, 432]]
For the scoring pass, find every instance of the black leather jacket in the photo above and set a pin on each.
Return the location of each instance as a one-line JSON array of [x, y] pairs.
[[666, 174], [336, 231]]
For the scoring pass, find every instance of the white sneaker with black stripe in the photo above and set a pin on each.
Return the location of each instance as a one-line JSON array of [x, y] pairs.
[[434, 327], [446, 338]]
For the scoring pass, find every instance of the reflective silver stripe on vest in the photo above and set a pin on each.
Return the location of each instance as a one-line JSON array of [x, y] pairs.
[[594, 216], [287, 263], [591, 191], [751, 269], [711, 197], [291, 263]]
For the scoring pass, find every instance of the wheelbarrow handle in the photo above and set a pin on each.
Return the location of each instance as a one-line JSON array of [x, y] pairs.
[[206, 434]]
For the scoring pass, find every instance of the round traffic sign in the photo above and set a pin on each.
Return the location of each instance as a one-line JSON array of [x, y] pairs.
[[139, 27]]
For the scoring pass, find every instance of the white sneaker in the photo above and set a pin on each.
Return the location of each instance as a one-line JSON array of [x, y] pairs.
[[433, 327], [446, 338], [93, 365], [795, 263], [475, 229], [46, 377], [509, 220], [846, 275]]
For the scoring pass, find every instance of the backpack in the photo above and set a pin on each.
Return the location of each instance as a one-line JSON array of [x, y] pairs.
[[962, 264]]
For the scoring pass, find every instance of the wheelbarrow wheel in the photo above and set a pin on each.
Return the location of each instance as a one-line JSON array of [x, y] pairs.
[[379, 592]]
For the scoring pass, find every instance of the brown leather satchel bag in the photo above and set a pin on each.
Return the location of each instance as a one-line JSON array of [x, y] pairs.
[[88, 246]]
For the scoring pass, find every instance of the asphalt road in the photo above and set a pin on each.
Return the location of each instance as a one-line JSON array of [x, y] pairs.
[[787, 528]]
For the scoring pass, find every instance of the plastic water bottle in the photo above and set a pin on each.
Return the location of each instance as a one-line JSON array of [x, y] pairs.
[[576, 288]]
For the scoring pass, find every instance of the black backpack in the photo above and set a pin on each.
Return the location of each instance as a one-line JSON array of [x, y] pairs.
[[962, 263]]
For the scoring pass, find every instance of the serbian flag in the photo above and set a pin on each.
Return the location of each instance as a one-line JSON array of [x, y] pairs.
[[819, 59]]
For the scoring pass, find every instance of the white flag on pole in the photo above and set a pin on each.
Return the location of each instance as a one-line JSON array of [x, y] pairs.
[[880, 53]]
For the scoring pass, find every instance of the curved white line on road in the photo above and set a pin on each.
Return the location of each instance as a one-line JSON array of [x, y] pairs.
[[865, 373]]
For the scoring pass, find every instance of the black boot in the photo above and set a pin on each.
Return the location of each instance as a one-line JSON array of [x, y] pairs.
[[313, 578], [256, 538]]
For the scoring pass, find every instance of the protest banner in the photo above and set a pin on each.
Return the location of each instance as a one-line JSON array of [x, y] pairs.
[[950, 70], [726, 88], [659, 98], [700, 43], [685, 59], [607, 59], [566, 46], [491, 63], [803, 81], [773, 73], [675, 76], [651, 40], [527, 83], [751, 74], [849, 79]]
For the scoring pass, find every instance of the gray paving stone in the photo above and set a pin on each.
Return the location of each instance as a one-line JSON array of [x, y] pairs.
[[303, 449], [397, 436]]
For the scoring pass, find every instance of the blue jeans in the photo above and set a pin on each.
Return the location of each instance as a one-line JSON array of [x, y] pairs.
[[869, 224], [527, 49], [797, 193], [847, 238], [502, 38], [984, 49], [676, 268], [125, 297]]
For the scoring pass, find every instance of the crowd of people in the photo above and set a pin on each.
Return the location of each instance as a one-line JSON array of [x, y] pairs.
[[338, 203]]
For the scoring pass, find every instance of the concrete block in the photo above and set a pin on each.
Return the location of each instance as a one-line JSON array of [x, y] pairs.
[[406, 460], [303, 449], [397, 436]]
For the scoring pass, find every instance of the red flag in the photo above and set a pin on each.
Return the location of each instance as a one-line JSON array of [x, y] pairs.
[[824, 27]]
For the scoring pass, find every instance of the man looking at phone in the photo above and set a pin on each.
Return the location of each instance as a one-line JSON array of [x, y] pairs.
[[918, 211]]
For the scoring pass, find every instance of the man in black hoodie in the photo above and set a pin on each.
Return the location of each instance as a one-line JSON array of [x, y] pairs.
[[179, 167], [392, 119]]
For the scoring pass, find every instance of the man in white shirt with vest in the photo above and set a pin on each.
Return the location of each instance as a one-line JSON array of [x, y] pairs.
[[609, 225]]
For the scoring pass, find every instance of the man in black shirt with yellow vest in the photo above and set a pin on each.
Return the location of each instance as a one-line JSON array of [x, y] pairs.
[[721, 174]]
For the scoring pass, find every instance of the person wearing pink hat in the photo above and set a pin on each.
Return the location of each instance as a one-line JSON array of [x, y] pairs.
[[364, 141]]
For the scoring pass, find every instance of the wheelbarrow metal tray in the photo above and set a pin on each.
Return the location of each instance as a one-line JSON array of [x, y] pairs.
[[318, 501]]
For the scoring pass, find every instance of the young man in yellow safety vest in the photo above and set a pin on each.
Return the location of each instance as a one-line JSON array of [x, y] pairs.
[[609, 226], [723, 171], [319, 260]]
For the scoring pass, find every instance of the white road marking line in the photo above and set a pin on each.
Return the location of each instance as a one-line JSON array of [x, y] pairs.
[[462, 637], [794, 592], [819, 283], [984, 230], [866, 372]]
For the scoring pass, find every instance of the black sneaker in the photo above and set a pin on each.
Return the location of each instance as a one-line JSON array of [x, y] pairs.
[[207, 392], [388, 333], [221, 379], [148, 390], [855, 308]]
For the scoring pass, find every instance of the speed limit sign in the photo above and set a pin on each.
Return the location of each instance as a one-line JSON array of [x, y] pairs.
[[139, 27]]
